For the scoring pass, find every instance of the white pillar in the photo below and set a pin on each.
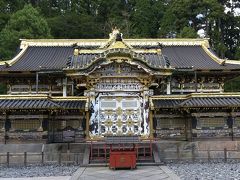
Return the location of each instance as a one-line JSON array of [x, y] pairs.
[[221, 87], [168, 86], [64, 87]]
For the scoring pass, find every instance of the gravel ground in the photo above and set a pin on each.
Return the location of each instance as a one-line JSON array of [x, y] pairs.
[[37, 171], [207, 170]]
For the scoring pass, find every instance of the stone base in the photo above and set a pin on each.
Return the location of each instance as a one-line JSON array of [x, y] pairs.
[[2, 134], [25, 137], [198, 150]]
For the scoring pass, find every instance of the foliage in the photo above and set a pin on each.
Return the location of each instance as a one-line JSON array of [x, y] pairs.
[[188, 32], [3, 88], [222, 28], [135, 18], [232, 85], [146, 18], [25, 23], [237, 54], [80, 26]]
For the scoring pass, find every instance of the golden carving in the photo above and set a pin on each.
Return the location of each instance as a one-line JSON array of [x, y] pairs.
[[130, 122], [119, 133], [108, 123], [92, 82], [118, 44], [119, 123], [108, 133], [109, 112], [119, 111], [129, 112], [119, 69], [76, 52], [119, 98], [130, 133]]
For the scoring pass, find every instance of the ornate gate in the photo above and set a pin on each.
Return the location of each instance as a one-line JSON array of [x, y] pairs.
[[120, 115]]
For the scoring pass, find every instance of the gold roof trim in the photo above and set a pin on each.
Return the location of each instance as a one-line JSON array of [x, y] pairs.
[[41, 96], [233, 62], [196, 95], [147, 51], [89, 51], [206, 46], [93, 51], [169, 97], [72, 98], [102, 42], [213, 56], [118, 44], [213, 95]]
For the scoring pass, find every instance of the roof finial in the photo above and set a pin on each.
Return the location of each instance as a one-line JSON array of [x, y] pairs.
[[115, 34]]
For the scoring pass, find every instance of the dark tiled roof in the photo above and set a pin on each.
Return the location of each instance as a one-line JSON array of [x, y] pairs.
[[211, 102], [155, 60], [59, 57], [72, 104], [27, 104], [195, 102], [166, 103], [192, 56], [36, 58], [6, 104], [83, 61]]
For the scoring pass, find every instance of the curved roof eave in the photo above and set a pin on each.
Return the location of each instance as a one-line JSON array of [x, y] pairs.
[[217, 59], [15, 59]]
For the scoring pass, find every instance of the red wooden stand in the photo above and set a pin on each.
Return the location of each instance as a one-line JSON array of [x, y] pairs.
[[121, 151], [122, 159]]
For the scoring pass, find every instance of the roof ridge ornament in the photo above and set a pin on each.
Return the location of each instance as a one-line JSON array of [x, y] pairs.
[[115, 34], [115, 40]]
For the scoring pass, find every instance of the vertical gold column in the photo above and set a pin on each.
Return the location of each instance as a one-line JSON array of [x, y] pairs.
[[151, 123], [87, 124]]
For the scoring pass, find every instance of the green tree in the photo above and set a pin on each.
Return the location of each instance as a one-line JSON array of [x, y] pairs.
[[3, 88], [72, 25], [135, 18], [188, 32], [222, 28], [178, 15], [237, 54], [114, 13], [232, 85], [146, 18], [25, 23]]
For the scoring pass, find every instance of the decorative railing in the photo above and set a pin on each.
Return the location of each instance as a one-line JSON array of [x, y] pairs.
[[32, 89]]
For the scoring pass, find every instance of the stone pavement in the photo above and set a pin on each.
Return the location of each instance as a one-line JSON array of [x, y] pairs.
[[140, 173], [40, 178]]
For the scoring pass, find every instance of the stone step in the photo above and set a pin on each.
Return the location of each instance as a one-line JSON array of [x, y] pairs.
[[103, 164], [74, 148]]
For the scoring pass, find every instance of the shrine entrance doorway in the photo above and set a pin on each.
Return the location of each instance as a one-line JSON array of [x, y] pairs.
[[121, 115]]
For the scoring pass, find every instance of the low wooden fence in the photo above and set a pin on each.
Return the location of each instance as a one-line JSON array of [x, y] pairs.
[[28, 158], [193, 154]]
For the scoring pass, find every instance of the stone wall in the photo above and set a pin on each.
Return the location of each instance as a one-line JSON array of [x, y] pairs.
[[167, 150], [11, 154], [2, 137], [25, 137], [199, 150]]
